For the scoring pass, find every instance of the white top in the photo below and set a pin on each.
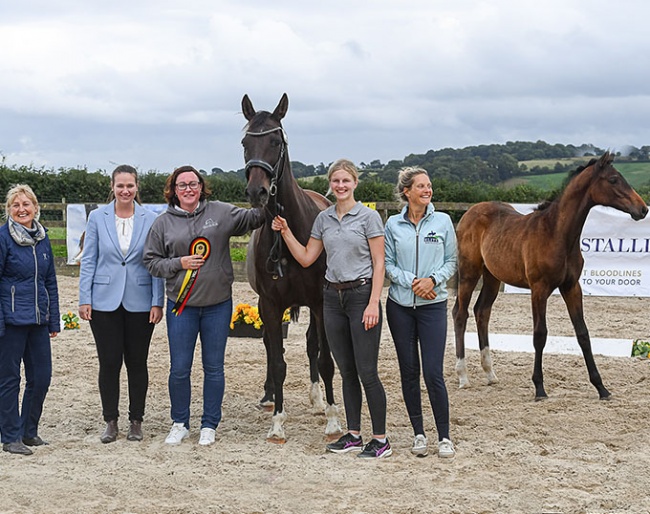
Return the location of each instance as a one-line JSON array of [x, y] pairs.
[[124, 227]]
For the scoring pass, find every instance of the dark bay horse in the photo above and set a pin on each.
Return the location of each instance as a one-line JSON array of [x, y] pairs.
[[539, 251], [278, 279]]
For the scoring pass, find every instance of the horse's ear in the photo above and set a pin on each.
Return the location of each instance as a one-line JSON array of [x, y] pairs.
[[605, 160], [282, 108], [247, 108]]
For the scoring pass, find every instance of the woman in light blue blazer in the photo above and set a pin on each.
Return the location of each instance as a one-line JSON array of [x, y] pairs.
[[120, 298]]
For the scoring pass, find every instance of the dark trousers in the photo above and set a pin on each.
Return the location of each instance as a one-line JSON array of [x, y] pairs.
[[356, 352], [428, 325], [122, 336], [29, 344]]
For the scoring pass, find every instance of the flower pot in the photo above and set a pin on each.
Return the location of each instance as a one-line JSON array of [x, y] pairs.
[[244, 330]]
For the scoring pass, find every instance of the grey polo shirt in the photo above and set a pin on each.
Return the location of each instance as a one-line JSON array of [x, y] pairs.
[[346, 241]]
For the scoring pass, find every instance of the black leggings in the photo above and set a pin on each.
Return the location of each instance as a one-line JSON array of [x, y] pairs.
[[122, 336], [356, 352], [422, 330]]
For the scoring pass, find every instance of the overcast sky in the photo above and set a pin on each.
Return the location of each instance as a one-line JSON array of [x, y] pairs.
[[159, 83]]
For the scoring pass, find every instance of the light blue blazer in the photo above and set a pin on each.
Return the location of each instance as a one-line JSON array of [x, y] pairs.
[[108, 278]]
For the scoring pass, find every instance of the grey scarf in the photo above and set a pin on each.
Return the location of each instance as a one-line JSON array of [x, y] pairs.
[[24, 237]]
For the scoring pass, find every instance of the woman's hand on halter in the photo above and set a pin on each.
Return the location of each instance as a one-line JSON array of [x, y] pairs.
[[279, 224]]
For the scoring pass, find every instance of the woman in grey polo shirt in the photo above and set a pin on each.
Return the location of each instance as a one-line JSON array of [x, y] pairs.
[[353, 237]]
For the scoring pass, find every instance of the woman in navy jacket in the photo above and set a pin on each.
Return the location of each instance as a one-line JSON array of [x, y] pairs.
[[29, 316], [120, 298]]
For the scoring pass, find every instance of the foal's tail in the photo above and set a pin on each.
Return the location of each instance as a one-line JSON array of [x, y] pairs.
[[294, 313]]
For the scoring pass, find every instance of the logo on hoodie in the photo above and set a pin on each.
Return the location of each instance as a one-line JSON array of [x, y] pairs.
[[433, 238], [210, 223]]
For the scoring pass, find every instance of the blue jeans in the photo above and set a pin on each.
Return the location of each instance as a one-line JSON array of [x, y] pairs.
[[213, 324], [31, 345], [421, 331], [356, 352]]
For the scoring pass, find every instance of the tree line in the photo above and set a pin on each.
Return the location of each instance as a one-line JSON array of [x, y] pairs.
[[470, 175]]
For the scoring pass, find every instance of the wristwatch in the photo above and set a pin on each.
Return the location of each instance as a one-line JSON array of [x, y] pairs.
[[433, 279]]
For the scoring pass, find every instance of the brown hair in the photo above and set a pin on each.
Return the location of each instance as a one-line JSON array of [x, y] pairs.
[[125, 168], [170, 185]]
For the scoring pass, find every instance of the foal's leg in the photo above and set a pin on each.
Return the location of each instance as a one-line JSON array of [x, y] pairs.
[[466, 283], [482, 311], [539, 299], [573, 298]]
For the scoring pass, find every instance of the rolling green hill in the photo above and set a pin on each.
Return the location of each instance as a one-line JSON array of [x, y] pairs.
[[636, 173]]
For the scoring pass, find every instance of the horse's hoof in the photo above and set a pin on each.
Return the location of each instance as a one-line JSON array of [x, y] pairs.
[[606, 398], [276, 440], [541, 398], [266, 408], [329, 438], [463, 384], [492, 379]]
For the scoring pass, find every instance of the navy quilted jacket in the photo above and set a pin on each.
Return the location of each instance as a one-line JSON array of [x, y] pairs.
[[28, 290]]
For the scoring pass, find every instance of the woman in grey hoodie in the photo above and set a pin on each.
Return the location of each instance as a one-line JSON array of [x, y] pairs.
[[188, 246]]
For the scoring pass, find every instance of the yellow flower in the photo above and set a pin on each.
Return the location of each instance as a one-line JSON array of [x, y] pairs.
[[244, 313], [70, 321]]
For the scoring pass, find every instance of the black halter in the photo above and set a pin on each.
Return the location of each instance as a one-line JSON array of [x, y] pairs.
[[274, 208]]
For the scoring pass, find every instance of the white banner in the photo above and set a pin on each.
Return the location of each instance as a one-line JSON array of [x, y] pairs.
[[76, 218], [616, 251]]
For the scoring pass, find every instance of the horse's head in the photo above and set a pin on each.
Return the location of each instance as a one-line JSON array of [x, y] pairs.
[[612, 190], [265, 152]]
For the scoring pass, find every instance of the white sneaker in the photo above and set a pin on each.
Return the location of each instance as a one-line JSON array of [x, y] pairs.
[[177, 434], [420, 446], [446, 449], [207, 436]]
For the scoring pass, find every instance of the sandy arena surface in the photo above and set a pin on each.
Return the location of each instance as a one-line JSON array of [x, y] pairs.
[[569, 454]]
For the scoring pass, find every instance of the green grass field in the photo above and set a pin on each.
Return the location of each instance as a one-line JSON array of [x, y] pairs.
[[636, 173]]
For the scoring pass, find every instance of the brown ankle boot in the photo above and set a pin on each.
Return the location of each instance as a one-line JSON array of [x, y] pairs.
[[110, 432], [135, 431]]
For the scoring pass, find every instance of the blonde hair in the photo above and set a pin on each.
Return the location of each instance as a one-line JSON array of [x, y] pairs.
[[345, 165], [28, 192], [405, 180]]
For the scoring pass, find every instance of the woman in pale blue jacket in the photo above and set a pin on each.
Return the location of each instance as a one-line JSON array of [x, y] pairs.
[[420, 258], [120, 298]]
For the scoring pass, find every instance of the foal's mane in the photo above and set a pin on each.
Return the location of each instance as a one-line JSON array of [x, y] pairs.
[[555, 196]]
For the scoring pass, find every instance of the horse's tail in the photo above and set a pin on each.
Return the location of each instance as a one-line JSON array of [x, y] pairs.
[[295, 311]]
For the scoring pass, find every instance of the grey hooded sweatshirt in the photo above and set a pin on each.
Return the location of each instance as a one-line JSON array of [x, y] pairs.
[[170, 238]]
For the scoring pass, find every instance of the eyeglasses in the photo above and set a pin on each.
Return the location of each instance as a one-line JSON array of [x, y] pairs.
[[192, 185]]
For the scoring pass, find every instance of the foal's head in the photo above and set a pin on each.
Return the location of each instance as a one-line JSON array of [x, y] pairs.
[[265, 146], [603, 184]]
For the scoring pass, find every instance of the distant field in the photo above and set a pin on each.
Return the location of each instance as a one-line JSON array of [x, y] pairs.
[[636, 173], [550, 163]]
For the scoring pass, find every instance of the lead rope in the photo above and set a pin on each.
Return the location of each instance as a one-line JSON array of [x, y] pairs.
[[273, 261]]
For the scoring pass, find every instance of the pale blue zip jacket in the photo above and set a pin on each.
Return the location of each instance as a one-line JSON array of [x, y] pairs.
[[425, 250]]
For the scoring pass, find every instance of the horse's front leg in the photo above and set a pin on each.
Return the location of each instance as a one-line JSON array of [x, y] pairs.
[[573, 298], [278, 368], [539, 300], [267, 402]]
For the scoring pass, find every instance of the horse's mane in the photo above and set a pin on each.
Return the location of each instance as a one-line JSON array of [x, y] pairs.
[[558, 193]]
